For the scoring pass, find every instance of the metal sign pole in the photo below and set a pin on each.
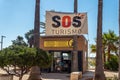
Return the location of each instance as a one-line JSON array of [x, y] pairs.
[[75, 51]]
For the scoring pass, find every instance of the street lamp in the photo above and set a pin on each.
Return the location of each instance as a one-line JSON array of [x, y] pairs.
[[2, 41]]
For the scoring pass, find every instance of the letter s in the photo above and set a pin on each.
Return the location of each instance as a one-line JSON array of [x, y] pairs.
[[56, 20], [76, 21]]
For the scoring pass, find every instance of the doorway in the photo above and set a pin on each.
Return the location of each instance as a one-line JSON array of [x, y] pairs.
[[61, 61]]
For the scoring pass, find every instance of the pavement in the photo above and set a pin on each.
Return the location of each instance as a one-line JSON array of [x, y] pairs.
[[65, 76], [56, 76]]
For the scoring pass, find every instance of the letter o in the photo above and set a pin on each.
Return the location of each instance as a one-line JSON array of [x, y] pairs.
[[66, 21]]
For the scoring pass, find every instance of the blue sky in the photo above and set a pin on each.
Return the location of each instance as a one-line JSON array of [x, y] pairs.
[[17, 16]]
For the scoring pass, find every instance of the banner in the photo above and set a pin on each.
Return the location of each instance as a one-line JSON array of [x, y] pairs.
[[58, 23]]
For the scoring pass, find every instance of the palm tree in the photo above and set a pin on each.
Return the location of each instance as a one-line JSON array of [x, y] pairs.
[[99, 72], [119, 41], [42, 26], [110, 40], [93, 48], [109, 44], [35, 71], [30, 38], [104, 49], [30, 34], [19, 41]]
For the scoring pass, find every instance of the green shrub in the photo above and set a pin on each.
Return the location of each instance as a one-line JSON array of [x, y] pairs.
[[112, 64], [112, 78]]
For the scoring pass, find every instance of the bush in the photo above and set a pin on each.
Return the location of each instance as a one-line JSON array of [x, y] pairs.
[[112, 64], [112, 78], [17, 60]]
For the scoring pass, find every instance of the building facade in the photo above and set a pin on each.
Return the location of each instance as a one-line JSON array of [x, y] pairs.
[[62, 47]]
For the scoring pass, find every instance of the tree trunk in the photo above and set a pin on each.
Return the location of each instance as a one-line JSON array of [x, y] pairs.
[[37, 25], [35, 71], [119, 42], [104, 56], [108, 59], [99, 73], [20, 78]]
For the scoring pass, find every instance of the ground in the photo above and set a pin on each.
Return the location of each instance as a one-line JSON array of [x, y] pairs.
[[64, 76]]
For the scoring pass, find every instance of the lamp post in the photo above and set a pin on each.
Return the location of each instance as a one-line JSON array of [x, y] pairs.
[[2, 41]]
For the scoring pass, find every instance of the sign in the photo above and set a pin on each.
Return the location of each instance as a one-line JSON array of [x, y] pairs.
[[67, 43], [66, 23]]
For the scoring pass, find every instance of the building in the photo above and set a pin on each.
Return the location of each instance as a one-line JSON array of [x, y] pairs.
[[62, 47]]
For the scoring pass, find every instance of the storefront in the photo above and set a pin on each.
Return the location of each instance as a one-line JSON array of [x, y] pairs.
[[62, 47]]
